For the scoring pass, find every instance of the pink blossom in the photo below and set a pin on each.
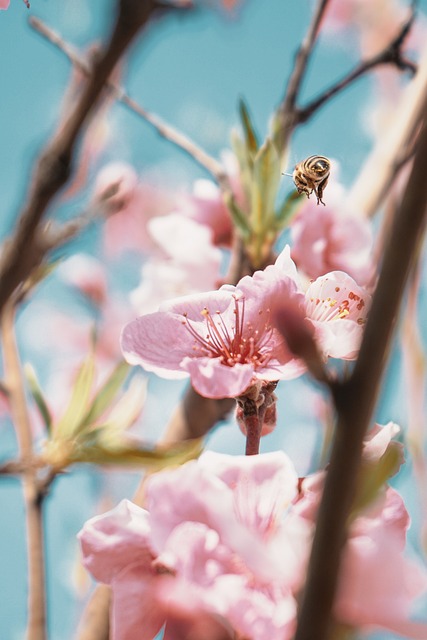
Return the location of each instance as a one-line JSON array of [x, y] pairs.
[[188, 262], [378, 21], [224, 340], [134, 203], [378, 585], [215, 535], [337, 308], [206, 206], [333, 304], [87, 275], [332, 238], [4, 4]]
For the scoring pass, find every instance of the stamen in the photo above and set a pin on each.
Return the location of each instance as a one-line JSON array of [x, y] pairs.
[[238, 344]]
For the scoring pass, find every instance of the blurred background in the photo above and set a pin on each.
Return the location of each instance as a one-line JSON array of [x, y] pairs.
[[191, 70]]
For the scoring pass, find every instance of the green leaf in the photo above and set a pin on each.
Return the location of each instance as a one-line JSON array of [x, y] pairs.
[[239, 217], [153, 459], [251, 138], [123, 415], [128, 408], [38, 396], [70, 423], [106, 393], [265, 185], [288, 209]]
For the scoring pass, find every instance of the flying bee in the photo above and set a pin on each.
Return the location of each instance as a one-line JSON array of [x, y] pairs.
[[312, 174]]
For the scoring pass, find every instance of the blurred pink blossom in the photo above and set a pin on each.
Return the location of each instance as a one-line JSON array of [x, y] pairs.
[[377, 21], [214, 532], [332, 238], [86, 274], [4, 4], [206, 205], [186, 263], [378, 584], [133, 202]]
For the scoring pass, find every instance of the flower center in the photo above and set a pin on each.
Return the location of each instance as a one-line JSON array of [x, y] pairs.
[[326, 309], [237, 342]]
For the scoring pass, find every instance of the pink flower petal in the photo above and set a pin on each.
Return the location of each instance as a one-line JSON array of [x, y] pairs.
[[337, 307], [263, 486], [112, 541], [136, 611], [212, 379], [158, 342]]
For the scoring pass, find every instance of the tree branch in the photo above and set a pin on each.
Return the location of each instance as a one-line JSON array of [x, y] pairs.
[[285, 114], [36, 623], [355, 402], [383, 164], [391, 54], [54, 166], [164, 129]]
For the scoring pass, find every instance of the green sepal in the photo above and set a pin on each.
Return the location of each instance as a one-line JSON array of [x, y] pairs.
[[38, 397], [106, 393], [70, 423], [239, 217], [251, 137], [288, 209], [245, 160], [154, 459], [265, 186]]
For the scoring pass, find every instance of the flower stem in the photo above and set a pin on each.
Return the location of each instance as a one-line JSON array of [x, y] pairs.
[[253, 425]]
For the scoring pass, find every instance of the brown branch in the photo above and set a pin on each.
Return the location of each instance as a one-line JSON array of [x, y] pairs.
[[380, 169], [95, 623], [54, 166], [195, 416], [164, 129], [391, 55], [36, 623], [286, 112], [355, 402]]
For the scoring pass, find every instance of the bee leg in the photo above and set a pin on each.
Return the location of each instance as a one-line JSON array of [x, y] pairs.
[[304, 190], [319, 191]]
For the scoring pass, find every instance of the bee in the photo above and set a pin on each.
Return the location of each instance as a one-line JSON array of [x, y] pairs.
[[312, 174]]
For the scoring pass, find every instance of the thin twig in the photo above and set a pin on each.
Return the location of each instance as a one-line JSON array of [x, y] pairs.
[[164, 129], [391, 54], [355, 402], [56, 235], [36, 624], [285, 115], [54, 166]]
